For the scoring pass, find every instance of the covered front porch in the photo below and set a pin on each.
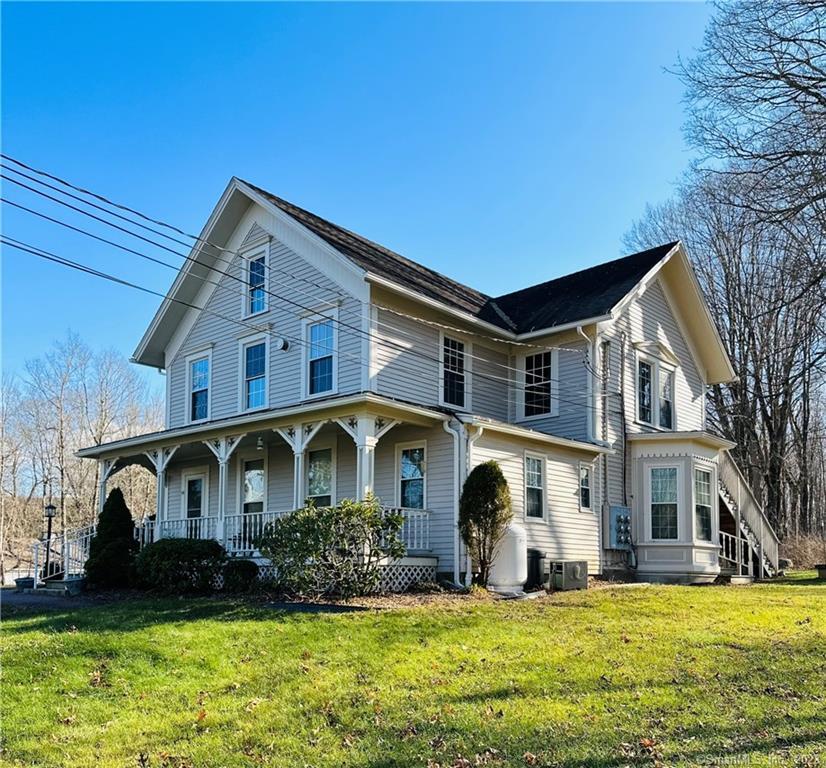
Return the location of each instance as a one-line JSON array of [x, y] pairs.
[[227, 483]]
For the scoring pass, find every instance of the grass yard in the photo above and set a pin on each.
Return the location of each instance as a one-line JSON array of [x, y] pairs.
[[611, 677]]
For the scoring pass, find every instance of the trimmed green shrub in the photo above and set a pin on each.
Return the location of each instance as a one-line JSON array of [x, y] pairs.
[[112, 548], [180, 566], [484, 514], [240, 575], [332, 550]]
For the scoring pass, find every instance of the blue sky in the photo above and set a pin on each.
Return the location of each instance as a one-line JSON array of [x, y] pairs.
[[500, 144]]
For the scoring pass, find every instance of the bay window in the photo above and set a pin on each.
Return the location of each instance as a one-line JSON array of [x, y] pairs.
[[664, 503], [702, 504]]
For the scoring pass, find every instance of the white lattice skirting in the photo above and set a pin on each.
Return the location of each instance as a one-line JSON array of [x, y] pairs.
[[395, 577]]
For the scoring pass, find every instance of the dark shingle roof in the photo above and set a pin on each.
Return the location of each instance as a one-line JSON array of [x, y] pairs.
[[592, 292], [589, 293]]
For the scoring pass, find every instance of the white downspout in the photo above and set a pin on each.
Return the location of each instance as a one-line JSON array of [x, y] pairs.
[[589, 397], [456, 434], [468, 466]]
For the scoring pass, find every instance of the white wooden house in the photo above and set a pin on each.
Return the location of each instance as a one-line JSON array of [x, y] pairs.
[[304, 361]]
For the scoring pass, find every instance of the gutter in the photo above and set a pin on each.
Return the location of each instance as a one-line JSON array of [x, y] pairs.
[[458, 445]]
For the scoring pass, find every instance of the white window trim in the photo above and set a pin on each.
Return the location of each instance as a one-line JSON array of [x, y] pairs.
[[468, 355], [544, 464], [649, 527], [186, 474], [715, 536], [321, 445], [318, 317], [398, 484], [247, 257], [204, 354], [520, 386], [251, 455], [243, 343], [656, 366], [590, 468]]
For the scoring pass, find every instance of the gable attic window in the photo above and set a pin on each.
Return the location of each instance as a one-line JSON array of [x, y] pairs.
[[654, 376], [454, 375], [539, 395], [256, 295]]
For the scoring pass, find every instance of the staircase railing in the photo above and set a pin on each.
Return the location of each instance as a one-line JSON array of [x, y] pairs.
[[751, 513]]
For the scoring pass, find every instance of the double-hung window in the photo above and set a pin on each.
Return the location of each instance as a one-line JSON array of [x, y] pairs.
[[538, 395], [256, 294], [584, 486], [702, 503], [199, 389], [534, 487], [255, 375], [655, 394], [664, 503], [320, 477], [454, 375], [321, 338], [412, 473]]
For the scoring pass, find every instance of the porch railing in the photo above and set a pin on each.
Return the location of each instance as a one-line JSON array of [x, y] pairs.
[[752, 515], [734, 552], [188, 528], [242, 531], [415, 531]]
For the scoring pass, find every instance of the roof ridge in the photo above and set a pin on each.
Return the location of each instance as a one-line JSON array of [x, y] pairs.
[[372, 243], [600, 265]]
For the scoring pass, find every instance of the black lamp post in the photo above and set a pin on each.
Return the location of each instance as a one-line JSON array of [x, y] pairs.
[[51, 509]]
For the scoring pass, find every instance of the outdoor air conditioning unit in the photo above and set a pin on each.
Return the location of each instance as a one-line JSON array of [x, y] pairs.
[[572, 574]]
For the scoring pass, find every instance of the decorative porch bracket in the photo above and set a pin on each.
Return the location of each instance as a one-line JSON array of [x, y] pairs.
[[223, 448], [298, 437], [160, 458], [366, 431]]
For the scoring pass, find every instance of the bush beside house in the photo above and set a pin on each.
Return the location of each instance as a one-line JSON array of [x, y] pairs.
[[181, 566], [336, 550], [484, 514], [113, 547], [240, 575]]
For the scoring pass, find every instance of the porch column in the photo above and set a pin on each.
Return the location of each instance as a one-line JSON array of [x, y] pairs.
[[106, 469], [222, 448], [366, 430], [160, 458], [298, 437]]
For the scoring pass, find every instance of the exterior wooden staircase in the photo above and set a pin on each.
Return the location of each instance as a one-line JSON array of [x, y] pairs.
[[754, 549]]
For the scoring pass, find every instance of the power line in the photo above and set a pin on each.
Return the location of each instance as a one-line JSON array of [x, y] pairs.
[[380, 340], [50, 256]]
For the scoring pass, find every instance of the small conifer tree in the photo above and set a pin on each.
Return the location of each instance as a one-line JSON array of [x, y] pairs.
[[112, 549]]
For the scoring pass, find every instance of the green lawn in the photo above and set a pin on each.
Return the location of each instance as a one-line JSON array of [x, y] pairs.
[[611, 677]]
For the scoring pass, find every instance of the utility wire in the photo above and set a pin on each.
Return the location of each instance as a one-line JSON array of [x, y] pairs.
[[50, 256]]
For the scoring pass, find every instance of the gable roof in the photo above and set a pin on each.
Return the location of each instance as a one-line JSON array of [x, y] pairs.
[[377, 259], [583, 297]]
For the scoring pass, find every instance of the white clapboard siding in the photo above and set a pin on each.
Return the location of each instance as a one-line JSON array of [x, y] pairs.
[[648, 318], [407, 354], [572, 395], [312, 290], [566, 533]]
